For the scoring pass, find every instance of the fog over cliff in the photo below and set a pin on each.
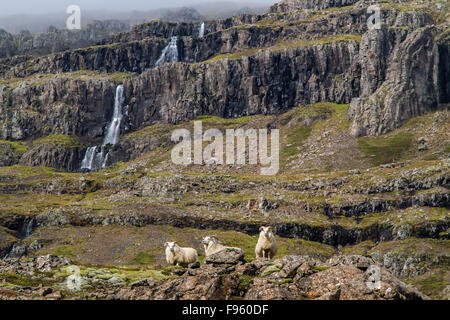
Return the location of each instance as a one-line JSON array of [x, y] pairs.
[[37, 16]]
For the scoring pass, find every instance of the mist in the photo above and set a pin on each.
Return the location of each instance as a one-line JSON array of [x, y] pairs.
[[37, 16], [14, 7]]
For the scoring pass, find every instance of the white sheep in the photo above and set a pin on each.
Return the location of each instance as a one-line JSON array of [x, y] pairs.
[[213, 246], [267, 244], [176, 255]]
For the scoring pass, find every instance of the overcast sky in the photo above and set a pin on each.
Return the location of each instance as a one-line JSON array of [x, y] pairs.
[[12, 7]]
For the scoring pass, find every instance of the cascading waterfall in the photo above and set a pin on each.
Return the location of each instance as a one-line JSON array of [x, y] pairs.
[[95, 158], [169, 53], [112, 135], [27, 228], [201, 30], [201, 33], [88, 159]]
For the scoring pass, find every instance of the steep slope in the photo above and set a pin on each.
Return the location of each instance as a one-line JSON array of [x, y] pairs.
[[56, 40], [364, 150]]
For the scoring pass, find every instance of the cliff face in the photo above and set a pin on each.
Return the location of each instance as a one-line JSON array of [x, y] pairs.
[[56, 40], [62, 105], [363, 174], [363, 181], [292, 5], [244, 65], [410, 87], [62, 156], [267, 82]]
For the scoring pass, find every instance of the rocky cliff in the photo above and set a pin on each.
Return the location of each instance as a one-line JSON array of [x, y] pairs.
[[293, 5], [364, 146], [56, 40], [372, 69]]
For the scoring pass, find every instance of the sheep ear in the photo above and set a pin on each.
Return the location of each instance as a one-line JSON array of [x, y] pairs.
[[261, 228], [165, 244], [270, 228]]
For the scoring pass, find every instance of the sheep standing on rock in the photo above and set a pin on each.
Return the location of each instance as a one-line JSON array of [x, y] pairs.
[[213, 246], [176, 255], [266, 247]]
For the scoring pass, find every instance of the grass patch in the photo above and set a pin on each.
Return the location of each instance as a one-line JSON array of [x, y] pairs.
[[294, 139], [58, 140], [65, 251], [432, 284], [282, 45], [18, 280], [320, 268], [144, 258], [244, 282], [385, 149], [12, 149], [271, 269]]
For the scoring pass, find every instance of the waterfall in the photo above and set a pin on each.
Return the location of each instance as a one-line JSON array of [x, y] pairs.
[[88, 159], [27, 228], [112, 135], [95, 158], [169, 53], [201, 30]]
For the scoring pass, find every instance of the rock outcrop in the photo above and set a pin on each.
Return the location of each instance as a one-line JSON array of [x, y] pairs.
[[56, 40], [410, 86], [291, 277], [264, 83], [60, 156], [268, 64], [292, 5], [64, 105]]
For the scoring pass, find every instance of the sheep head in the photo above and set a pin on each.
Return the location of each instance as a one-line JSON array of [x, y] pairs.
[[208, 240], [266, 231], [173, 246]]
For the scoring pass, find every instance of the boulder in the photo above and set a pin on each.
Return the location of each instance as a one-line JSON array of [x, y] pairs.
[[227, 256]]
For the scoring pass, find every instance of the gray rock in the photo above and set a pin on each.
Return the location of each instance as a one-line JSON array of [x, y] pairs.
[[409, 89], [227, 256]]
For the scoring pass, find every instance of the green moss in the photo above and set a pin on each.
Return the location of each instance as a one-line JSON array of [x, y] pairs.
[[320, 268], [385, 149], [433, 283], [58, 140], [294, 136], [144, 258], [282, 45], [232, 56], [15, 148], [271, 269], [18, 280], [126, 274], [360, 248], [19, 147], [65, 251], [158, 130], [214, 120], [284, 281], [325, 40], [244, 282], [98, 47], [294, 140]]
